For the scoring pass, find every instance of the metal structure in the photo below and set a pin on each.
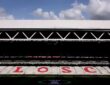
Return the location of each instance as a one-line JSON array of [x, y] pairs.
[[83, 45], [56, 35]]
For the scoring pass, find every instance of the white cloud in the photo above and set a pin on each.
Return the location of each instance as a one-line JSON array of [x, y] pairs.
[[75, 12], [99, 9], [44, 14], [95, 9], [4, 15]]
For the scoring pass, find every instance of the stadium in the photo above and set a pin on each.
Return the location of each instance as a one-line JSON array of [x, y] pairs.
[[59, 52]]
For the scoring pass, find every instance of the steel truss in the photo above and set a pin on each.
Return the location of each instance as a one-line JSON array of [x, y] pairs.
[[55, 35]]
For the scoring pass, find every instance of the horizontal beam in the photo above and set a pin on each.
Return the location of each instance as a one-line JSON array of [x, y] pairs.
[[55, 24], [54, 40]]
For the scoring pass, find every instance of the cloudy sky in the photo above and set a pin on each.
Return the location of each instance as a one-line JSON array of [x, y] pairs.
[[55, 9]]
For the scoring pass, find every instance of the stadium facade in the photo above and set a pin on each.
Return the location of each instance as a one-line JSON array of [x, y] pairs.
[[59, 50]]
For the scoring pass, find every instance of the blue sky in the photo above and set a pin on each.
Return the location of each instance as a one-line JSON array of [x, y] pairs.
[[23, 9]]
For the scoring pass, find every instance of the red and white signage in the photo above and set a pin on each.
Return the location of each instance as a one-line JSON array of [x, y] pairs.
[[55, 70]]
